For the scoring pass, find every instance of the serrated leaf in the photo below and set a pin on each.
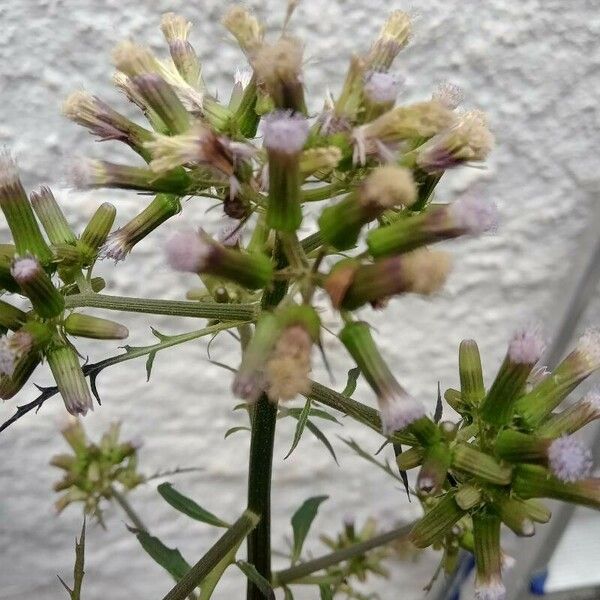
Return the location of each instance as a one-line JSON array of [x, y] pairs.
[[302, 519], [439, 407], [78, 571], [233, 430], [385, 466], [256, 578], [325, 592], [302, 419], [350, 388], [321, 437], [187, 506], [149, 364], [169, 559]]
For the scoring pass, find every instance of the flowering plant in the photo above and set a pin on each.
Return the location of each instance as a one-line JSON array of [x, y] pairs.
[[375, 164]]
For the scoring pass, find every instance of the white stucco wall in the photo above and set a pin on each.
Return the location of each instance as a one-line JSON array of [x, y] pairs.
[[530, 64]]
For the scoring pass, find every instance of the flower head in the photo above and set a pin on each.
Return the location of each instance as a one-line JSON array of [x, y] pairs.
[[473, 215], [12, 348], [381, 88], [493, 590], [448, 94], [188, 251], [398, 410], [284, 132], [569, 459], [526, 346]]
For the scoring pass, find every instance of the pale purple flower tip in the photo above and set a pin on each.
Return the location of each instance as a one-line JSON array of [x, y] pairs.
[[593, 399], [490, 591], [381, 88], [116, 247], [24, 268], [285, 132], [230, 233], [7, 357], [448, 94], [589, 346], [187, 251], [398, 411], [9, 173], [474, 215], [569, 459], [527, 346]]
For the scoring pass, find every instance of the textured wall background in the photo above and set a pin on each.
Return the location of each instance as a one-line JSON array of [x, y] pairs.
[[529, 64]]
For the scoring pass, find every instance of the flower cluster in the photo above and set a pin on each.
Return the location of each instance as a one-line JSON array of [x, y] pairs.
[[509, 449], [92, 471]]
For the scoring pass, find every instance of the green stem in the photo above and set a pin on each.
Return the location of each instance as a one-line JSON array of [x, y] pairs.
[[264, 418], [174, 308], [323, 192], [128, 509], [334, 558], [229, 540], [359, 412]]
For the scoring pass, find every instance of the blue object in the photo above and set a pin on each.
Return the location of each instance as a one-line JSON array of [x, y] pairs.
[[538, 582]]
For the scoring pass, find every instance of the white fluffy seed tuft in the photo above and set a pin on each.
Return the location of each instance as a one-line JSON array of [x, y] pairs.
[[24, 269], [9, 172], [448, 94], [569, 459], [592, 398], [490, 591], [526, 346], [187, 251], [284, 132], [589, 346]]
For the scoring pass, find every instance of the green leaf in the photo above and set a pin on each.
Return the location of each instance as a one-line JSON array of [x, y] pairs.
[[325, 592], [301, 522], [256, 578], [188, 507], [314, 412], [351, 382], [321, 437], [149, 364], [233, 430], [169, 559], [385, 466], [302, 419]]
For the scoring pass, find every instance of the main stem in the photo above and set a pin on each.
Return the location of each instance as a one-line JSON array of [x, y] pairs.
[[264, 417]]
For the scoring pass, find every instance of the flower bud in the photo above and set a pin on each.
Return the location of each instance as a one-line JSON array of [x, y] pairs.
[[469, 459], [193, 252], [97, 230], [384, 188], [468, 141], [537, 510], [278, 66], [572, 418], [19, 215], [94, 327], [514, 514], [437, 522], [70, 380], [36, 284], [524, 351], [284, 138], [414, 121], [394, 36], [379, 94], [250, 380], [11, 317], [454, 399], [471, 375], [419, 272], [411, 458], [466, 216], [534, 406], [468, 496], [20, 353], [245, 28], [319, 161], [176, 29], [488, 557], [120, 243], [398, 408], [533, 481], [104, 122], [90, 173], [51, 217], [434, 470]]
